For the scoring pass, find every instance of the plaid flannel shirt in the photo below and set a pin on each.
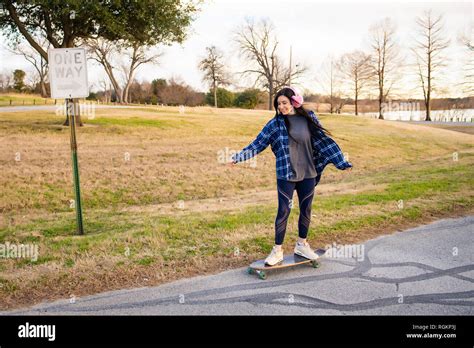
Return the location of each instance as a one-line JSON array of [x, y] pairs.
[[274, 133]]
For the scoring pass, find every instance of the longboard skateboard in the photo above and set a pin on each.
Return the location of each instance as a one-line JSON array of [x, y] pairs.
[[259, 267]]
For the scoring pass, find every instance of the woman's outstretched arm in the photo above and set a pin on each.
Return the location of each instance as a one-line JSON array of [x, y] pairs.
[[260, 143]]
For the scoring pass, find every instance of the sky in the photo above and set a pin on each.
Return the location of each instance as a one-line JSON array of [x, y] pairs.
[[315, 30]]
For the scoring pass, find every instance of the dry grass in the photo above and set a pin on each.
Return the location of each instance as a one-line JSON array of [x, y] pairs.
[[133, 202], [462, 129], [14, 99], [180, 160]]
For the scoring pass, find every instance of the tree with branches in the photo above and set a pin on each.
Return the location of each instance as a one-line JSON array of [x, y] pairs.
[[330, 79], [66, 23], [429, 54], [214, 70], [385, 59], [257, 42], [355, 67], [40, 65], [468, 83]]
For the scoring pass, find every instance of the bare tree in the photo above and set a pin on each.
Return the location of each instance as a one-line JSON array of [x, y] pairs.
[[107, 88], [466, 40], [5, 80], [257, 43], [66, 23], [385, 59], [355, 67], [102, 50], [177, 92], [137, 55], [330, 80], [468, 82], [214, 70], [428, 52], [19, 47]]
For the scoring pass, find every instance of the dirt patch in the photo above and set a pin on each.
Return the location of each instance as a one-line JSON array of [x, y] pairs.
[[242, 201]]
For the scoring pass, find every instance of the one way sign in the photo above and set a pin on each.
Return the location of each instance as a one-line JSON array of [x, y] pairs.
[[68, 73]]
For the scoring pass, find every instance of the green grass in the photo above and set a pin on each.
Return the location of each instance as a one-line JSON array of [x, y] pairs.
[[201, 234], [53, 193], [138, 122], [8, 286], [17, 99], [406, 185], [422, 174], [145, 261]]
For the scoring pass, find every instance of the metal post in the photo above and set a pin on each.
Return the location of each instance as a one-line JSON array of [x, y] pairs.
[[71, 112]]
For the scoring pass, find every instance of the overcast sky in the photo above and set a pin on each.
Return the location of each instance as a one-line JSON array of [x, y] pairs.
[[314, 29]]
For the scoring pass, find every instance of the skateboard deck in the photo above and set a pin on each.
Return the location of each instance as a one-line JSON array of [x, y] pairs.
[[259, 267]]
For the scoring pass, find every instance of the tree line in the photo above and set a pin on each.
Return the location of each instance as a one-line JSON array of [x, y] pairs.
[[123, 36]]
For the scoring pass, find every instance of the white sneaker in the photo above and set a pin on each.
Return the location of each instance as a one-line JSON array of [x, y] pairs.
[[276, 256], [305, 251]]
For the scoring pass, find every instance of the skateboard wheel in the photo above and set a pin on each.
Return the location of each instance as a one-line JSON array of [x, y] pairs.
[[262, 275], [250, 270], [315, 264]]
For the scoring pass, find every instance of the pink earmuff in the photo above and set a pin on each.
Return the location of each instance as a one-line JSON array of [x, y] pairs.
[[296, 100]]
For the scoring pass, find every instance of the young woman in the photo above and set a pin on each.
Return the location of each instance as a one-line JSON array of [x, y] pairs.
[[302, 149]]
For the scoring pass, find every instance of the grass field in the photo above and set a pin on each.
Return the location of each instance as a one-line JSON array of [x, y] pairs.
[[158, 204], [13, 99], [463, 129]]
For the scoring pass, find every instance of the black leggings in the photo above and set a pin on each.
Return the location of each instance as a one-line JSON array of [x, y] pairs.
[[305, 190]]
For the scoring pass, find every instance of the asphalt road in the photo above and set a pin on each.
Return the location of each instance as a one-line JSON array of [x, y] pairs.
[[428, 270]]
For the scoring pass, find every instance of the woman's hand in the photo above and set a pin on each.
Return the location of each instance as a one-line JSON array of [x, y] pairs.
[[231, 164]]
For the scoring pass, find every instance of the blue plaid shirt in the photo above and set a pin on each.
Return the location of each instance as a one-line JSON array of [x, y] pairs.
[[325, 149]]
